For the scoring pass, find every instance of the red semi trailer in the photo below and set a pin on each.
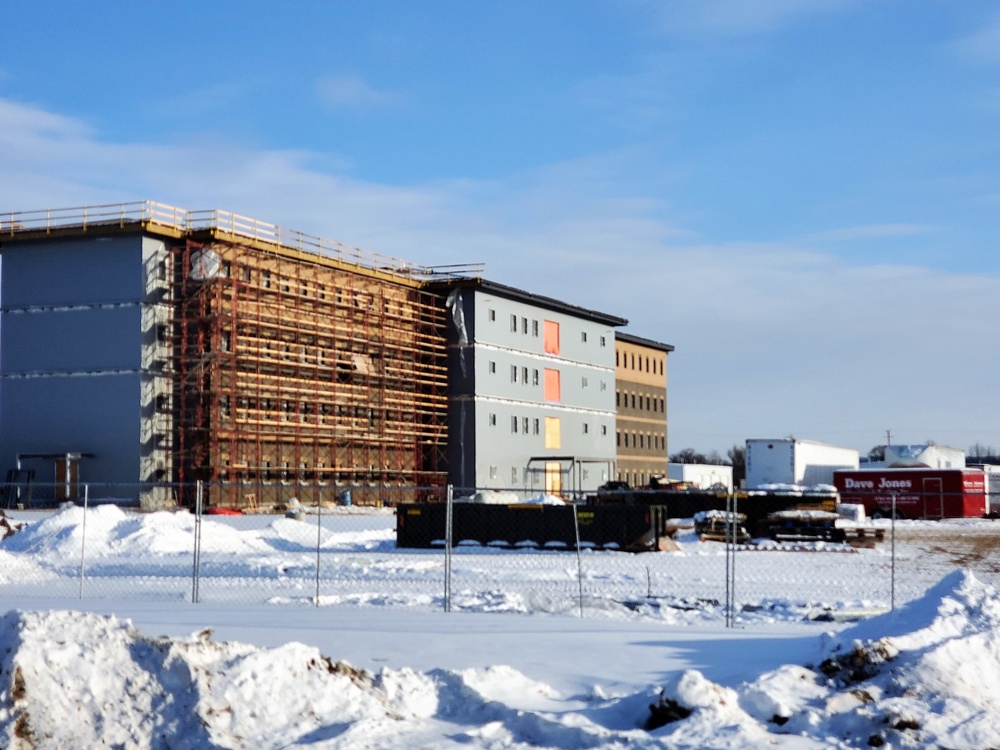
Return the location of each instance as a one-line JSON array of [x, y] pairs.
[[919, 493]]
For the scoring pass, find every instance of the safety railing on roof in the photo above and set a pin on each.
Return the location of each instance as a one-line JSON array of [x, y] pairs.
[[179, 219]]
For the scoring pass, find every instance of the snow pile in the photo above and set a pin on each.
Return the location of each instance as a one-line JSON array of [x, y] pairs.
[[490, 497], [506, 497], [77, 680], [927, 675], [544, 499]]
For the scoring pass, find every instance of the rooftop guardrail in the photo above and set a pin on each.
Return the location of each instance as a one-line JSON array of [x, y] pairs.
[[151, 213]]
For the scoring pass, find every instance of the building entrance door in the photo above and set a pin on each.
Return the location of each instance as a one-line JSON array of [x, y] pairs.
[[553, 478], [933, 498], [67, 475]]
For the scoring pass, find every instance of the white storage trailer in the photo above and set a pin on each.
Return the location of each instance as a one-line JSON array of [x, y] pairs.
[[790, 461], [702, 476]]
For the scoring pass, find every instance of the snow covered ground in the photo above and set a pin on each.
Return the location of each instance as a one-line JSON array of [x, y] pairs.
[[101, 646]]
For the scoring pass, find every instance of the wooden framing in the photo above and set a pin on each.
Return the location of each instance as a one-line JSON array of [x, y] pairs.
[[302, 377]]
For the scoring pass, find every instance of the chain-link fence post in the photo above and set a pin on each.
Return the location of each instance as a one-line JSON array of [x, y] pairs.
[[447, 547], [579, 559], [83, 537], [319, 537], [196, 572], [892, 555], [732, 528]]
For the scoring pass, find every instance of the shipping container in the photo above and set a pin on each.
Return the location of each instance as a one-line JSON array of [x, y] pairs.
[[918, 493], [790, 461]]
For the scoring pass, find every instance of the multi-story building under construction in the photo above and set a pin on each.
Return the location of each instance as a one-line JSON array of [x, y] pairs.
[[154, 347]]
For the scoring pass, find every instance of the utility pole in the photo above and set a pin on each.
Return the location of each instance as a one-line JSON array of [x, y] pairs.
[[888, 438]]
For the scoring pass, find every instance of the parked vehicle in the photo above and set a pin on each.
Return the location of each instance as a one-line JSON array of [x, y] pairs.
[[918, 493]]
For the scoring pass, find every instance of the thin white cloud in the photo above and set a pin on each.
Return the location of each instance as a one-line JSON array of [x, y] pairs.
[[734, 18], [873, 231], [353, 93], [982, 46]]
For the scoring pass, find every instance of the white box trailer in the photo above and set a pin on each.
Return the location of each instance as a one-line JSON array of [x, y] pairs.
[[992, 487], [790, 461], [702, 476]]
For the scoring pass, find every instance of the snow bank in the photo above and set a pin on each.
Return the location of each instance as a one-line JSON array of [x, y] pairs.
[[80, 680], [927, 675]]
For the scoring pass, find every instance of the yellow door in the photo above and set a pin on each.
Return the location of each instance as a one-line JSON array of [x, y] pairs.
[[553, 478]]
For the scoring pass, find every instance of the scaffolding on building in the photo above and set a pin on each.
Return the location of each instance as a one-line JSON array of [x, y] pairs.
[[279, 365], [297, 375]]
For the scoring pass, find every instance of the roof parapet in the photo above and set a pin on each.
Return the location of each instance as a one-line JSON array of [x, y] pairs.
[[154, 216]]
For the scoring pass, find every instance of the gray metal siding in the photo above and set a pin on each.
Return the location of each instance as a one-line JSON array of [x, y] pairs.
[[76, 397], [502, 454], [97, 415], [71, 341], [74, 271]]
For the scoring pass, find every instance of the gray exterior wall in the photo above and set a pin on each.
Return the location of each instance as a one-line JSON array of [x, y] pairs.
[[71, 353], [503, 381]]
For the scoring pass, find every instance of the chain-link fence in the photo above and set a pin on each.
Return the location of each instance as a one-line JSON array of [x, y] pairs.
[[588, 559]]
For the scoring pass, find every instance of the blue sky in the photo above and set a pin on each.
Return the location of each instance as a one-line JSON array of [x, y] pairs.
[[802, 196]]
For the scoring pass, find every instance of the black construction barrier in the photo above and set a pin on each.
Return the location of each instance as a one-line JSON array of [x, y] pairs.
[[626, 527]]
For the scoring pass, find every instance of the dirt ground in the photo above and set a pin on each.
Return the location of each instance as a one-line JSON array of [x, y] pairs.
[[974, 547]]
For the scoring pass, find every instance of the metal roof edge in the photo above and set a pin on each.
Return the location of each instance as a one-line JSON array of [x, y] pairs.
[[520, 295], [630, 338]]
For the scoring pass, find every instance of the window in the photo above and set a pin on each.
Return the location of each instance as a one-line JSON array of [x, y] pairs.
[[493, 420], [633, 400], [524, 425], [536, 427], [604, 429], [513, 373], [604, 386], [534, 376], [618, 439], [534, 328], [513, 425], [618, 398], [583, 382], [552, 389], [583, 336], [493, 317], [513, 323], [513, 474], [586, 428], [524, 375], [616, 358], [493, 472], [553, 434], [524, 326], [603, 341], [493, 368], [551, 338]]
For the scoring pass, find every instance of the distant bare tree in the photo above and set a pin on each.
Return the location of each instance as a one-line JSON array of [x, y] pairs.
[[982, 454], [688, 456], [738, 460], [715, 459], [877, 453]]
